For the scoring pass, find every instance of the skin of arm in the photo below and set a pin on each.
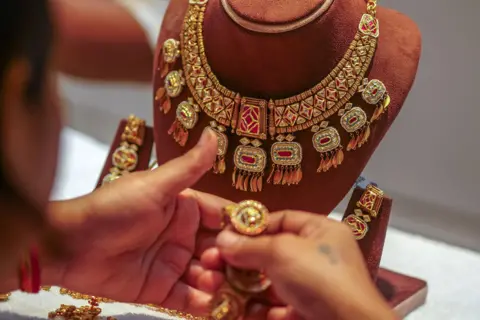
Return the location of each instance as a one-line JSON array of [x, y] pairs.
[[100, 40]]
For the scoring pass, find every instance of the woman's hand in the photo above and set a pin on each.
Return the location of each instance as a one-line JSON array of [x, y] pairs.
[[315, 266], [140, 238]]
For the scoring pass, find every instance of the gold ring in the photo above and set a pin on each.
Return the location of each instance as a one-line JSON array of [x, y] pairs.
[[248, 217]]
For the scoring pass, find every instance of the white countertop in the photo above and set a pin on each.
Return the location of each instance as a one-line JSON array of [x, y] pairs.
[[452, 273]]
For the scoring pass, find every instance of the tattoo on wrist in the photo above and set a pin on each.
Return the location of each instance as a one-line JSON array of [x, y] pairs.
[[326, 250]]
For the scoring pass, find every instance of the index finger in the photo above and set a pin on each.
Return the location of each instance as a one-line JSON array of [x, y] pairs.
[[296, 222], [211, 208]]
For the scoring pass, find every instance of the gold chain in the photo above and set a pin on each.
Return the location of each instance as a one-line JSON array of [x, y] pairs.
[[372, 7], [172, 313]]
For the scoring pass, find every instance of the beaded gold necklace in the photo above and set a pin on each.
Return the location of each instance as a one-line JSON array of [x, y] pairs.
[[254, 119]]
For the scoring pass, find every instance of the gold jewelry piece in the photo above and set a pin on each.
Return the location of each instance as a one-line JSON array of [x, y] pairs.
[[173, 313], [359, 227], [374, 92], [254, 118], [4, 297], [368, 208], [90, 312], [186, 119], [371, 200], [327, 142], [248, 218], [170, 53], [219, 165], [125, 157], [286, 161], [173, 87], [250, 163]]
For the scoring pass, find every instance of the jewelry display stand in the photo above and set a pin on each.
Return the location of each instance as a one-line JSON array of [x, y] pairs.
[[404, 293]]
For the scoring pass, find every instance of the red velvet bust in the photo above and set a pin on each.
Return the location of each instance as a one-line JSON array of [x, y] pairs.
[[276, 65]]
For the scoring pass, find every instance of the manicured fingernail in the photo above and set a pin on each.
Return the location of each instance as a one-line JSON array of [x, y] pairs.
[[227, 238]]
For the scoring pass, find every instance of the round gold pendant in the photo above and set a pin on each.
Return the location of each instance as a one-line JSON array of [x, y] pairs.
[[174, 83], [187, 114], [248, 281], [225, 306], [125, 158], [248, 217], [171, 50]]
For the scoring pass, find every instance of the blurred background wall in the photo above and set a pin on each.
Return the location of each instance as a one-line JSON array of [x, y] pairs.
[[429, 161]]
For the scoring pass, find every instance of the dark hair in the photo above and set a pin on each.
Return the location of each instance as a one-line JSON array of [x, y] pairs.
[[26, 32]]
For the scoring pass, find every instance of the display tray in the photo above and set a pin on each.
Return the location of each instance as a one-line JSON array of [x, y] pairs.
[[405, 294]]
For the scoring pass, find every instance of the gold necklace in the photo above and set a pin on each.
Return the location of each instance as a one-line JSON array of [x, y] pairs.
[[254, 119], [172, 313]]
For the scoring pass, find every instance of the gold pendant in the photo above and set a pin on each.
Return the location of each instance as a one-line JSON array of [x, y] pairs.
[[173, 87], [359, 227], [125, 157], [219, 165], [186, 119], [369, 26], [374, 92], [250, 163], [355, 122], [170, 53], [327, 142], [371, 200], [286, 157]]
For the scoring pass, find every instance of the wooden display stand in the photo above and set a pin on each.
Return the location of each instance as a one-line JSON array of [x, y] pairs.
[[404, 293]]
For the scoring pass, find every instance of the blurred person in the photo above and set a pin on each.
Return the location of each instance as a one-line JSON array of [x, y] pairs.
[[138, 240], [146, 238], [108, 40]]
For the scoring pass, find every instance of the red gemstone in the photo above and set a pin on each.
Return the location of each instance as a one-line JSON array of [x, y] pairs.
[[285, 154], [374, 91], [325, 140], [248, 159], [352, 120], [184, 115]]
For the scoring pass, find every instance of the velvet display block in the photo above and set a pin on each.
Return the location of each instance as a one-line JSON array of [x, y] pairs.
[[405, 294], [144, 152], [372, 245]]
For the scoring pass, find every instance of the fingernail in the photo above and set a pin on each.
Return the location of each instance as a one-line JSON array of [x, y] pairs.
[[205, 138], [227, 239]]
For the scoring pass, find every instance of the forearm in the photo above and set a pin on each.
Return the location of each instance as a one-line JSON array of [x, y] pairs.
[[100, 40]]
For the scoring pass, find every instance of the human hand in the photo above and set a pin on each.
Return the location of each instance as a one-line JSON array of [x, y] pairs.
[[315, 266], [140, 238]]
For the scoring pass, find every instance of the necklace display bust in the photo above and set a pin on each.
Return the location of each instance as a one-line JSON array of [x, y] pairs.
[[276, 64]]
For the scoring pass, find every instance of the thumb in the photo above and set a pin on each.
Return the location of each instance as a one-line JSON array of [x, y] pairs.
[[181, 173], [246, 252]]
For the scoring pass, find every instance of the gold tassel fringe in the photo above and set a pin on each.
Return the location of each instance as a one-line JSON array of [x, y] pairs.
[[179, 133], [330, 159], [285, 175], [247, 181]]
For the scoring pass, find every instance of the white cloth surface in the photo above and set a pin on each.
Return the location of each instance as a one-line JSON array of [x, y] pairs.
[[451, 272]]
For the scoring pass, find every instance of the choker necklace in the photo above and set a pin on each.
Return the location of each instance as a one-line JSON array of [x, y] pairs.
[[255, 119]]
